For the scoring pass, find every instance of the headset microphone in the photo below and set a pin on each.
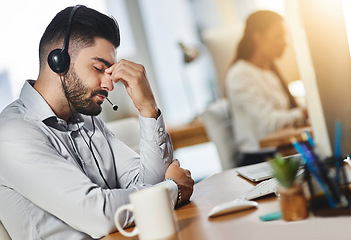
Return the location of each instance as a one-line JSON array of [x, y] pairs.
[[114, 106]]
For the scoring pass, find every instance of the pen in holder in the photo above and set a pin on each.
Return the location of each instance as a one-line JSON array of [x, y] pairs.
[[336, 189], [333, 197]]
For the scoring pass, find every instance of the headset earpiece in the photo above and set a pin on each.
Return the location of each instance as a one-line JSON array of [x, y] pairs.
[[59, 60]]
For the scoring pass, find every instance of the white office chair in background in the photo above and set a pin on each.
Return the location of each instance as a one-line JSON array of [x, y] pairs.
[[221, 43], [218, 125], [127, 130]]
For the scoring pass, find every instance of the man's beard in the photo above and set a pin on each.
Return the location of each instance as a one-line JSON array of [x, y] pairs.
[[77, 95]]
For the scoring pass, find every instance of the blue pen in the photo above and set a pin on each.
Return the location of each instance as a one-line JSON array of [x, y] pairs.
[[338, 139], [333, 189], [337, 151], [309, 138], [314, 172], [299, 148], [338, 158], [310, 158]]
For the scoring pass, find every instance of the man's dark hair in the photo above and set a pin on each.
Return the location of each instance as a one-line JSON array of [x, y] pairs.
[[87, 24]]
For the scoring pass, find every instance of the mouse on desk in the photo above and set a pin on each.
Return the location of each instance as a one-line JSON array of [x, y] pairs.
[[232, 206]]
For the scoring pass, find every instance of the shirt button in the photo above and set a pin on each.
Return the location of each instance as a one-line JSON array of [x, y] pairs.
[[160, 129]]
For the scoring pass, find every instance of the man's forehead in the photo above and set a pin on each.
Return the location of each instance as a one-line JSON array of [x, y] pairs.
[[102, 51]]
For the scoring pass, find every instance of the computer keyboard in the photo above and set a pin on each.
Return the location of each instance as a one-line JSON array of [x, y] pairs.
[[262, 189]]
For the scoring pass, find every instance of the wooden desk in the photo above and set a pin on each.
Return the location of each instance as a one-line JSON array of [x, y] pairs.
[[281, 139], [226, 186], [187, 135]]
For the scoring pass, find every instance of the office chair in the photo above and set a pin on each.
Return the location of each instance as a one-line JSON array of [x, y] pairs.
[[221, 43], [218, 124], [128, 131]]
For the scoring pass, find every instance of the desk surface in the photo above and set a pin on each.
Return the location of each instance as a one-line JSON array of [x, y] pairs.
[[226, 186], [188, 134], [281, 139]]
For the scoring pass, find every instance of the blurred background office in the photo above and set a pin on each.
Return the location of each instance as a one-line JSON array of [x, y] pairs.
[[172, 39], [259, 100]]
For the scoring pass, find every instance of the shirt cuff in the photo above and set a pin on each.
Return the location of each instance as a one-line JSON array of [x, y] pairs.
[[150, 126], [172, 190]]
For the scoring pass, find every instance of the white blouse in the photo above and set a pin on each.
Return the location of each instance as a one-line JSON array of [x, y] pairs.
[[259, 104]]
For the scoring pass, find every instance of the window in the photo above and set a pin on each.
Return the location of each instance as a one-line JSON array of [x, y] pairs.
[[185, 89]]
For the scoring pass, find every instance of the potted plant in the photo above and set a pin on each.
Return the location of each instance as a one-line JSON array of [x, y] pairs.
[[292, 200]]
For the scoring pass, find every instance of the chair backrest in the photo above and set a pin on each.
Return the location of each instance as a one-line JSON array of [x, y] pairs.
[[128, 131], [222, 43], [218, 125], [3, 233]]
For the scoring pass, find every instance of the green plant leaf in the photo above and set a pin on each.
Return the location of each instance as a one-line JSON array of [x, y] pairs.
[[284, 169]]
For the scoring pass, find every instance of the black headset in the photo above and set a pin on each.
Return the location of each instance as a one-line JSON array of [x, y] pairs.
[[59, 59]]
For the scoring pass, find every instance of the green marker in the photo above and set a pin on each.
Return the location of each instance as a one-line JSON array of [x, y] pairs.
[[271, 216]]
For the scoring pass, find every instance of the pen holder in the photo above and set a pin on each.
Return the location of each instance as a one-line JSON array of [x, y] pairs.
[[334, 199]]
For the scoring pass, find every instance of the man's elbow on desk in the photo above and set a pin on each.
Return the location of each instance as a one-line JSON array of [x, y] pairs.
[[98, 228]]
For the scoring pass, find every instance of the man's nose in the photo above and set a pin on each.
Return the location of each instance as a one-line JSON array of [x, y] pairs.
[[107, 83]]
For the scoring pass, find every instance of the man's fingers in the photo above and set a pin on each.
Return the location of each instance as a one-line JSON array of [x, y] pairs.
[[125, 64], [176, 161]]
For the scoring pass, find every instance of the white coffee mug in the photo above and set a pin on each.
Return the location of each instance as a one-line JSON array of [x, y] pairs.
[[153, 214]]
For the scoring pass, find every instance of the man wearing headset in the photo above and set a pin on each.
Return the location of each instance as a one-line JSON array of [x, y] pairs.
[[62, 172]]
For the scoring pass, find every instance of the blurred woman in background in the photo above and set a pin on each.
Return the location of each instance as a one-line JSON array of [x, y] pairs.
[[260, 101]]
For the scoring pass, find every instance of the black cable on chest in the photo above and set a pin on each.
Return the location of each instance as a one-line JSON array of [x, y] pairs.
[[89, 145]]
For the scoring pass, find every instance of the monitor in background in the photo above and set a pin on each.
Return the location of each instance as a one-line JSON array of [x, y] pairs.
[[319, 38]]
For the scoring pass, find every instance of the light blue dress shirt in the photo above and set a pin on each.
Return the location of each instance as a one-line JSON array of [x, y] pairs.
[[50, 186]]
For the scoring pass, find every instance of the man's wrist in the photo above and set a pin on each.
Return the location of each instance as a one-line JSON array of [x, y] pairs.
[[152, 112]]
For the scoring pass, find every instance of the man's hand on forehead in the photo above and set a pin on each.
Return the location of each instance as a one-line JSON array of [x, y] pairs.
[[134, 78]]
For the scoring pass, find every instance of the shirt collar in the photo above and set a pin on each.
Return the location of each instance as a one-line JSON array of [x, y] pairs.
[[34, 102]]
